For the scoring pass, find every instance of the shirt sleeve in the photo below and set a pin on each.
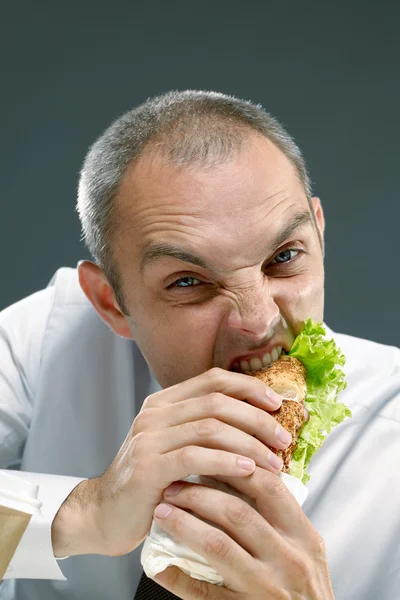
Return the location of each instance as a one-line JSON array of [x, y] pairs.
[[22, 328], [34, 558]]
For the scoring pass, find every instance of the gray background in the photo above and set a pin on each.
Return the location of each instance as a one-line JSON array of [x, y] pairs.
[[329, 71]]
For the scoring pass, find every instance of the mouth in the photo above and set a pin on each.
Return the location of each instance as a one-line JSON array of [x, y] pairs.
[[256, 360]]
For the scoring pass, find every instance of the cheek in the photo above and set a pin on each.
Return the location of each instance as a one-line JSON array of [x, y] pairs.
[[186, 326], [178, 342], [301, 297]]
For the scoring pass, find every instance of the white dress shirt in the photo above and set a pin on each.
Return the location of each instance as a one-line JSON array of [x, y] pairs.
[[70, 389]]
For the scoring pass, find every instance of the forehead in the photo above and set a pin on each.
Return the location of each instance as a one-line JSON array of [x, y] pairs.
[[234, 202]]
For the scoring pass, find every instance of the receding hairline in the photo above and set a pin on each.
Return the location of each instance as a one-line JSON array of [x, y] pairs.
[[154, 151], [183, 115]]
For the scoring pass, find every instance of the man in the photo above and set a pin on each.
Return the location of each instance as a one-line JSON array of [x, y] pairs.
[[208, 249]]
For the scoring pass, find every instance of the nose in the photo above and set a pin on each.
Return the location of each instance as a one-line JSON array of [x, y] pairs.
[[255, 312]]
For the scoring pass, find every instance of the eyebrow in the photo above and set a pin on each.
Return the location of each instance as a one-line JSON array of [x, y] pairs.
[[300, 219], [158, 251]]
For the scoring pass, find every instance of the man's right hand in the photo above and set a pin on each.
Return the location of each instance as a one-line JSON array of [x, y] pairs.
[[195, 427]]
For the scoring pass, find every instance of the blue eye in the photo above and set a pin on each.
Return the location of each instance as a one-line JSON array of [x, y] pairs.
[[285, 256], [185, 282]]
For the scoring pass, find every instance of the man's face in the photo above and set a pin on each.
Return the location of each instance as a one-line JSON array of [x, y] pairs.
[[209, 276]]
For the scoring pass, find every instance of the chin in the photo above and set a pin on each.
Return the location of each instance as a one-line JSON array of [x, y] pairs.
[[170, 378]]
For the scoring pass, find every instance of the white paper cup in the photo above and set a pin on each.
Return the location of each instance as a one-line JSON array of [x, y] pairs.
[[18, 502], [19, 494]]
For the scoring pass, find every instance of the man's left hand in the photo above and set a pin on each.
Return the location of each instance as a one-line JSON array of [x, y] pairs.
[[273, 554]]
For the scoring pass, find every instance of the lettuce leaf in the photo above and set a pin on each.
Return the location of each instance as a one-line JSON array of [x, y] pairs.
[[325, 379]]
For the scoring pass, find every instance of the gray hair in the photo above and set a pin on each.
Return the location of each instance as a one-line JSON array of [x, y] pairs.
[[186, 127]]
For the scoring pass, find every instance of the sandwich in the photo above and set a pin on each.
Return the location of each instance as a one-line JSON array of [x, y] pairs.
[[309, 376]]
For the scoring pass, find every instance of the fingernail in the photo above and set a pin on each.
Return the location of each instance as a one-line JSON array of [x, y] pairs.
[[162, 511], [173, 489], [275, 461], [274, 398], [283, 435], [246, 464]]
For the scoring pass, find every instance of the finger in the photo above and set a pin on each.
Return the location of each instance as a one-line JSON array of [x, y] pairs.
[[242, 416], [236, 385], [237, 518], [182, 585], [275, 503], [211, 433], [179, 464], [231, 561]]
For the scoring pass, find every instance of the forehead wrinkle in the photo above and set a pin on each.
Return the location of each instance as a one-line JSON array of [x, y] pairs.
[[273, 209], [151, 220], [285, 227], [164, 211], [156, 251], [179, 217], [263, 202], [270, 219]]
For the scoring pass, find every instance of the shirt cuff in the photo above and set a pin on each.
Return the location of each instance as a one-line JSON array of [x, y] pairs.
[[34, 558]]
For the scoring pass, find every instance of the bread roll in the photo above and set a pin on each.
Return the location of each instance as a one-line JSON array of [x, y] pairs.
[[287, 377]]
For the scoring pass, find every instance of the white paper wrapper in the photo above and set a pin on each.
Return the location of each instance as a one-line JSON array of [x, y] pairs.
[[160, 550]]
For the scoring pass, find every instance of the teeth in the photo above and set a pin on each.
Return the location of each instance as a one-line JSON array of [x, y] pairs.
[[266, 359], [255, 363]]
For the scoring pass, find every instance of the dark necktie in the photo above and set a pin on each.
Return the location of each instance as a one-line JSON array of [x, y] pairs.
[[150, 590]]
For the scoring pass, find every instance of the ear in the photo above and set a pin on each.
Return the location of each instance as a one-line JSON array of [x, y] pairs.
[[99, 292], [319, 216]]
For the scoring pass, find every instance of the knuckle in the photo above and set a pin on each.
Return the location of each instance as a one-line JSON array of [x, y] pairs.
[[216, 544], [217, 375], [315, 541], [239, 513], [149, 401], [176, 524], [140, 444], [199, 590], [172, 576], [274, 486], [212, 402], [207, 427], [194, 493], [143, 420], [299, 568], [186, 456]]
